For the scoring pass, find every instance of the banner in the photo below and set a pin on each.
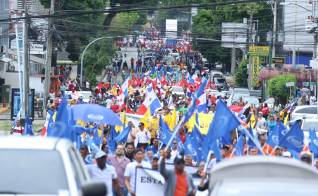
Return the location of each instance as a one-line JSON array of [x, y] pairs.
[[19, 31], [188, 169], [149, 182]]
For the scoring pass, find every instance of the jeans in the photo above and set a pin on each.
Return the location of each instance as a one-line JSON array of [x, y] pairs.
[[123, 190]]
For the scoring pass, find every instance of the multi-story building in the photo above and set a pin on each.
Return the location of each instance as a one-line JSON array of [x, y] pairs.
[[8, 63]]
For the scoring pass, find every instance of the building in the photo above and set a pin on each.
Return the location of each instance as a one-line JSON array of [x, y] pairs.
[[296, 17], [8, 63]]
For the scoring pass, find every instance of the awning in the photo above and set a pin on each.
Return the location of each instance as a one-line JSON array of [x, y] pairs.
[[5, 59]]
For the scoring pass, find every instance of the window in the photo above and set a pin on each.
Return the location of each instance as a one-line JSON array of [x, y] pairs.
[[308, 110]]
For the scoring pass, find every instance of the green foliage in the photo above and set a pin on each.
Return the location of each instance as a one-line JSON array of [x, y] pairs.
[[241, 74], [97, 57], [123, 22], [277, 87]]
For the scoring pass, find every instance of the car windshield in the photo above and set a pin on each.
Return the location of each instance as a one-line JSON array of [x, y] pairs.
[[251, 100], [220, 80], [25, 171], [263, 187]]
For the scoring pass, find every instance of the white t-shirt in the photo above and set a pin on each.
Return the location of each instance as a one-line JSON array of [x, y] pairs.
[[130, 171], [107, 176], [143, 136]]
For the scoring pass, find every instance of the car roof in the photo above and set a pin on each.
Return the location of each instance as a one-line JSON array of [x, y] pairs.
[[250, 167], [31, 142], [304, 106]]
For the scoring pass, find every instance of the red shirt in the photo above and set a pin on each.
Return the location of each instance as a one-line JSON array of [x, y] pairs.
[[181, 185], [115, 108]]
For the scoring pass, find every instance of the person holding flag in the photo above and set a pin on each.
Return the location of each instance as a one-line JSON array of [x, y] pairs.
[[177, 181]]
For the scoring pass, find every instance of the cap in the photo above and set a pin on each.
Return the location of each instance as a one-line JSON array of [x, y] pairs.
[[156, 157], [100, 154]]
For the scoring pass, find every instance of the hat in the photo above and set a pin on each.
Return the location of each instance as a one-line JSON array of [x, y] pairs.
[[155, 157], [178, 160], [100, 154]]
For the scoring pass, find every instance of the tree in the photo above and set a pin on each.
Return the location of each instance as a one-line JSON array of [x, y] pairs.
[[208, 24], [277, 87], [95, 59], [241, 74]]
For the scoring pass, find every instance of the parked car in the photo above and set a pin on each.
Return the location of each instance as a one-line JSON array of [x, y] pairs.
[[252, 100], [305, 111], [236, 94], [44, 166], [220, 83], [262, 176]]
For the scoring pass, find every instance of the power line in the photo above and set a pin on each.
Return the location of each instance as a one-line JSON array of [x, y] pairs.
[[118, 10]]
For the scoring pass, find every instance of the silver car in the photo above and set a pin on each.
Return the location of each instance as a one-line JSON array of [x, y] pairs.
[[43, 166], [263, 176]]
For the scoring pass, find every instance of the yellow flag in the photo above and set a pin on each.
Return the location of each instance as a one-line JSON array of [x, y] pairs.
[[286, 119], [146, 119], [204, 122], [252, 121], [192, 121], [171, 119]]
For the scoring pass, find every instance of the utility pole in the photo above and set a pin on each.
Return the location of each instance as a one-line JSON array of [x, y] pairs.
[[274, 30], [250, 34], [49, 51], [26, 63]]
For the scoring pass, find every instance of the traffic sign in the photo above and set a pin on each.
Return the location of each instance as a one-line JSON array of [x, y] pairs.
[[290, 84]]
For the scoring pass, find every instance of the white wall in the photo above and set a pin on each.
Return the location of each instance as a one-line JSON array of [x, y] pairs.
[[12, 79], [295, 36]]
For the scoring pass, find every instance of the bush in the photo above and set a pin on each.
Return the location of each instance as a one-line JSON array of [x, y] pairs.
[[241, 75], [277, 87]]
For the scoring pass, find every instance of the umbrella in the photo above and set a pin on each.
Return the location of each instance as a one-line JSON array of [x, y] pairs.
[[95, 113]]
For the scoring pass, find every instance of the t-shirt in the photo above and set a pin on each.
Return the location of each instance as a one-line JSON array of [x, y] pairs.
[[130, 171], [106, 175], [181, 185]]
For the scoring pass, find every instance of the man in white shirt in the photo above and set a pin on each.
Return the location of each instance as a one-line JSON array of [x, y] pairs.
[[105, 173], [130, 171], [143, 136]]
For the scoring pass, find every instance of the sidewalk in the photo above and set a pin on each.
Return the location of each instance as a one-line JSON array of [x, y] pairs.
[[3, 110]]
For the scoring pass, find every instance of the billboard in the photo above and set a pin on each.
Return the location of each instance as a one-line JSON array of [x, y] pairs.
[[172, 28], [16, 102], [234, 35]]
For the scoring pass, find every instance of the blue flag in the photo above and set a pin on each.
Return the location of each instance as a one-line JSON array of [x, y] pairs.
[[28, 126], [111, 139], [189, 149], [239, 147], [164, 134], [193, 104], [294, 138], [275, 136], [122, 137], [250, 142], [196, 135], [215, 148], [224, 121], [313, 144], [61, 127]]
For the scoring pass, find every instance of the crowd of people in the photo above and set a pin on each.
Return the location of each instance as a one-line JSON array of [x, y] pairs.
[[174, 84]]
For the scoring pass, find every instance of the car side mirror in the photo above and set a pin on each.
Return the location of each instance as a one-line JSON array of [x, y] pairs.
[[94, 189]]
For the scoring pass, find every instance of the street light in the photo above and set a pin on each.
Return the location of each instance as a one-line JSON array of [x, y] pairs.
[[82, 57]]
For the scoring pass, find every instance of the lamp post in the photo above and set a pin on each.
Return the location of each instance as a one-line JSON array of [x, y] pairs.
[[82, 57]]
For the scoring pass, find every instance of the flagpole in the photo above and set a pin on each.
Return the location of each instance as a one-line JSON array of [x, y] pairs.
[[207, 161], [257, 144]]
